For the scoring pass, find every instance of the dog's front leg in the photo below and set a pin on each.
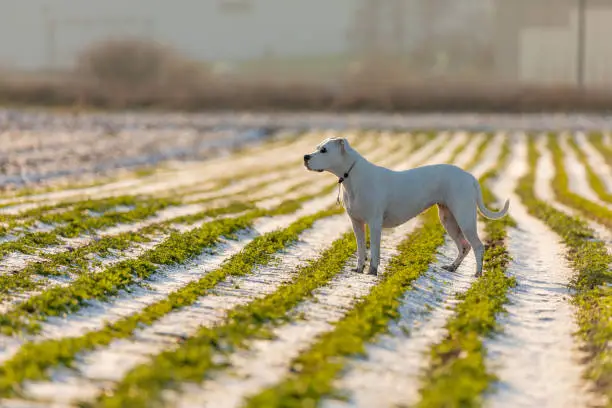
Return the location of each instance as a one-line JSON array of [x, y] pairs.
[[375, 234], [359, 230]]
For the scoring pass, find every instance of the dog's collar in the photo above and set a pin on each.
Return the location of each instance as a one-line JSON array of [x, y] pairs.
[[345, 175]]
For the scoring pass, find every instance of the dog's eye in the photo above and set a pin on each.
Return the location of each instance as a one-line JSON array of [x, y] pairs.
[[324, 150]]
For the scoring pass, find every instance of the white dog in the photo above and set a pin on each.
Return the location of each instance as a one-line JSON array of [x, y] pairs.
[[383, 198]]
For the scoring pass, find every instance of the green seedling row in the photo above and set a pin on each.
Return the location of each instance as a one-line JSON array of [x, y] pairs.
[[480, 150], [177, 248], [457, 375], [596, 139], [563, 193], [459, 149], [57, 300], [593, 280], [76, 261], [35, 358], [313, 371], [194, 358], [594, 180], [135, 174], [78, 219]]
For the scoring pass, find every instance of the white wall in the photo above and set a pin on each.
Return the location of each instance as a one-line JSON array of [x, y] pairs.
[[288, 27], [285, 27], [549, 55], [599, 48]]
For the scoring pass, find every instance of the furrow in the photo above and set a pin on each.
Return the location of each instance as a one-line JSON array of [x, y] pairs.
[[311, 373], [314, 375], [313, 272], [535, 370], [241, 186], [98, 370], [197, 173], [489, 156], [164, 282], [433, 148], [265, 362], [561, 188], [599, 142], [161, 217], [608, 138], [596, 164], [98, 329], [465, 156], [271, 200], [74, 223], [162, 356], [459, 140], [591, 283], [173, 181], [185, 178], [26, 283], [208, 232], [544, 177], [93, 315], [22, 267], [457, 374], [36, 272], [106, 314], [577, 175], [448, 148], [388, 372], [310, 209], [227, 390], [480, 153]]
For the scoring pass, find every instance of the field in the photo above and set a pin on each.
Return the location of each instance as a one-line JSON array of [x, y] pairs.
[[191, 261]]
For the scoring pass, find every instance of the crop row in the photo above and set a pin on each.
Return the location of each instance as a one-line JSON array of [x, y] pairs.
[[457, 372]]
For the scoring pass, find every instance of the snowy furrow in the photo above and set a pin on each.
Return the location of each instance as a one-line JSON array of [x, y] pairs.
[[536, 357]]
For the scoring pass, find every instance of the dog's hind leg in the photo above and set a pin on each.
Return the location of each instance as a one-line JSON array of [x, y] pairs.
[[450, 224], [465, 215], [359, 231]]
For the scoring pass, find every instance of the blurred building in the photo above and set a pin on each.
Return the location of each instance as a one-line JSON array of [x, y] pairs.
[[510, 40], [219, 30], [551, 41]]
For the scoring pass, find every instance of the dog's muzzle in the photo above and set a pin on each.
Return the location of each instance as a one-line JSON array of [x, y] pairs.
[[306, 158]]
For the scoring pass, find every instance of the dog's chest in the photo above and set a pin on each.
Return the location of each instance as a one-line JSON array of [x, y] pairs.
[[354, 207]]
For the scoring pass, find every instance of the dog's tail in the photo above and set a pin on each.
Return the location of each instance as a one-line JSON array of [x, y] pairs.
[[493, 215]]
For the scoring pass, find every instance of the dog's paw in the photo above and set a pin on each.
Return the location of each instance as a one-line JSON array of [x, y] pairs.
[[373, 271], [450, 268]]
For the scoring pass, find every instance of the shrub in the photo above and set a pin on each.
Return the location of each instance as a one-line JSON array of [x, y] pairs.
[[135, 64]]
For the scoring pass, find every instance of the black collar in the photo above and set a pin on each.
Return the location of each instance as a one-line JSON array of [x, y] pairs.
[[345, 175]]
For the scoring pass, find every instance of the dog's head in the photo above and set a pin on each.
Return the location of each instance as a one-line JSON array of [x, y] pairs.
[[329, 155]]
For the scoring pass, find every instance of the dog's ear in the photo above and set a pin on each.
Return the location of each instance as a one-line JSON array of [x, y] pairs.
[[343, 145]]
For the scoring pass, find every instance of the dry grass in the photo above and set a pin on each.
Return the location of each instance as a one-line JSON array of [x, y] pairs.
[[281, 96], [135, 74]]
